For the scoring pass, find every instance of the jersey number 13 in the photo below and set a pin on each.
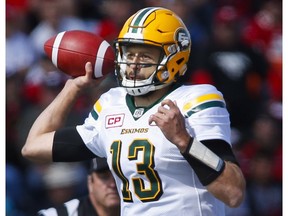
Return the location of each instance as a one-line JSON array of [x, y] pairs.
[[145, 168]]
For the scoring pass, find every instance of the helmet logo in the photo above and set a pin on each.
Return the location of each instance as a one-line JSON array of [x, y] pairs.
[[183, 39]]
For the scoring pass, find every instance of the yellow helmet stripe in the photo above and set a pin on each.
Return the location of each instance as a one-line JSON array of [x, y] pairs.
[[139, 19]]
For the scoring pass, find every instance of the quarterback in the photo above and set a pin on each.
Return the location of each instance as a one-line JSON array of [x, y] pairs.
[[167, 144]]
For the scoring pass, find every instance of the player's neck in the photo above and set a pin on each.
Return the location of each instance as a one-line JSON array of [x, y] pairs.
[[150, 98]]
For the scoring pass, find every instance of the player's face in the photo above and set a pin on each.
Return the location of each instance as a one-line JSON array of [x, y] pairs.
[[141, 61], [103, 189]]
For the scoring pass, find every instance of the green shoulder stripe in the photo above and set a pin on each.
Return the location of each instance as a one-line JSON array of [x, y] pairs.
[[203, 106], [94, 114]]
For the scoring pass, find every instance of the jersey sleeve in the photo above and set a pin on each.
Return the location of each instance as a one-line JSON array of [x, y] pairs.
[[90, 131], [206, 114]]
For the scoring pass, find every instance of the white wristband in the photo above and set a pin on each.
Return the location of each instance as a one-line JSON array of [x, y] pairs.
[[205, 155]]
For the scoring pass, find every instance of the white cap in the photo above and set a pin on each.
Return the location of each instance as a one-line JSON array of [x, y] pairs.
[[62, 175]]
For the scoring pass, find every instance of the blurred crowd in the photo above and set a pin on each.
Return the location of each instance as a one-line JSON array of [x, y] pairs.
[[236, 46]]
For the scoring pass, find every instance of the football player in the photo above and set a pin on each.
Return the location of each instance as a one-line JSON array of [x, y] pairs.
[[167, 144]]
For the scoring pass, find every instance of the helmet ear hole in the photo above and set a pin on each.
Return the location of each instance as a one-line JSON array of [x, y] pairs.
[[162, 75], [179, 61]]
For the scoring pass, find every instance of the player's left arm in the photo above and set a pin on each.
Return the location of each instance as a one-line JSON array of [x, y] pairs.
[[229, 186], [216, 168]]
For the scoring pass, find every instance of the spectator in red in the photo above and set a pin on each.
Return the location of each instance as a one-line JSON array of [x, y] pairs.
[[264, 32]]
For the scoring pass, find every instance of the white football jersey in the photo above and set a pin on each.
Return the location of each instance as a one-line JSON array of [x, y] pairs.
[[152, 176]]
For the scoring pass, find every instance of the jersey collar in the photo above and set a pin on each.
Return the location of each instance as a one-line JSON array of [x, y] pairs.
[[138, 111]]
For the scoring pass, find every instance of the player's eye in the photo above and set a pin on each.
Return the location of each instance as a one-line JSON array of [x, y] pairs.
[[141, 57], [144, 57], [130, 56]]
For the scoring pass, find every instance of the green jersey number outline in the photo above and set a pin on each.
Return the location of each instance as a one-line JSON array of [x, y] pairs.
[[146, 167]]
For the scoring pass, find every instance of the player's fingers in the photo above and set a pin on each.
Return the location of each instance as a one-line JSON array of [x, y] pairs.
[[150, 120], [159, 120], [163, 110], [89, 69], [167, 102], [169, 108], [155, 119], [171, 104]]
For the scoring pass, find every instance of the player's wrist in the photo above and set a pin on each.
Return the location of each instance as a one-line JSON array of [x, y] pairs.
[[72, 87], [185, 144], [206, 164], [199, 151]]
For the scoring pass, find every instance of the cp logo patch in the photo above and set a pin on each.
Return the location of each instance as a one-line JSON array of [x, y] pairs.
[[114, 120]]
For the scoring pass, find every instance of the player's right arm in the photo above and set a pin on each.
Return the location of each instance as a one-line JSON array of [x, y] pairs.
[[39, 143]]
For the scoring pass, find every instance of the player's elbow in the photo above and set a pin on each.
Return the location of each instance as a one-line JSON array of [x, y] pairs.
[[36, 153], [27, 152]]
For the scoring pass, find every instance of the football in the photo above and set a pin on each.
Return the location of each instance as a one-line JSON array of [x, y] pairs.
[[70, 50]]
